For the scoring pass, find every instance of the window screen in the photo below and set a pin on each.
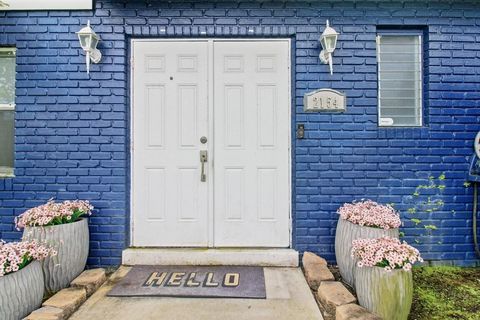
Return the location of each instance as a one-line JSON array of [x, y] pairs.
[[7, 110], [399, 80]]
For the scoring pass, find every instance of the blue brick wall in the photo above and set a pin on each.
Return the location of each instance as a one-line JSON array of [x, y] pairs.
[[72, 131]]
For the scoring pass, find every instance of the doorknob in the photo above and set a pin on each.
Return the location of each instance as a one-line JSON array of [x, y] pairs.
[[203, 160]]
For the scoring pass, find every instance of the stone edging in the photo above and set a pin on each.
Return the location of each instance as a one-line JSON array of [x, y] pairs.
[[65, 302], [335, 301]]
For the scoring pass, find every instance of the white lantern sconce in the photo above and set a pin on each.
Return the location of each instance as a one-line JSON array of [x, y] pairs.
[[88, 41], [328, 40]]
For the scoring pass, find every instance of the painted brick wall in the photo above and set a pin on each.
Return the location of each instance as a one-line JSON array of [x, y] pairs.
[[72, 130]]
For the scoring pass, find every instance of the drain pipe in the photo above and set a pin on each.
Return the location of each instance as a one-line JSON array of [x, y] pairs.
[[474, 219], [474, 176]]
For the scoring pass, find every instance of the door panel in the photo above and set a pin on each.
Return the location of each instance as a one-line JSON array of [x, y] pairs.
[[252, 137], [170, 114]]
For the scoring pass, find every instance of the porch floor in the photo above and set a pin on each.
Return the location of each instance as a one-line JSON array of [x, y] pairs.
[[288, 297]]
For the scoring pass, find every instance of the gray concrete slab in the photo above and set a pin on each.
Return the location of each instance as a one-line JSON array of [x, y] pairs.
[[288, 298]]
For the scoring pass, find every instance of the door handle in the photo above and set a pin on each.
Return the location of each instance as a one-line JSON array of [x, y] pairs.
[[203, 160]]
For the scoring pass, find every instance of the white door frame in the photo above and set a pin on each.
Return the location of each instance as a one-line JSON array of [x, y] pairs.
[[210, 93]]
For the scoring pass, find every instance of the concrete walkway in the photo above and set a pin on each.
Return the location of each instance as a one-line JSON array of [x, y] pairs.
[[288, 298]]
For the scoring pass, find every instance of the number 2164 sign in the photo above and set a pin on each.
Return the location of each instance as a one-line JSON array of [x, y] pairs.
[[324, 100]]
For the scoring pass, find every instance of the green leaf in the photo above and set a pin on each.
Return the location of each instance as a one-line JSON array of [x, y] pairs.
[[430, 227], [416, 221]]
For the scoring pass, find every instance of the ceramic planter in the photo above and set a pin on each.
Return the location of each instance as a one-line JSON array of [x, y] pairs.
[[21, 292], [345, 234], [71, 241], [388, 294]]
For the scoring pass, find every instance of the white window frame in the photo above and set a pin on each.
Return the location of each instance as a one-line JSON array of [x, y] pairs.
[[419, 123], [7, 172]]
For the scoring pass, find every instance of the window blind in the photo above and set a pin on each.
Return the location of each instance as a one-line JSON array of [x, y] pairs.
[[7, 111], [7, 76], [399, 80]]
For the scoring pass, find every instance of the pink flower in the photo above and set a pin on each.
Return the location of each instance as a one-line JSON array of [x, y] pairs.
[[16, 255], [52, 213], [371, 214], [385, 252]]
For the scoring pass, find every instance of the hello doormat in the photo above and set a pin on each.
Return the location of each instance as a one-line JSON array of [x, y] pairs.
[[192, 281]]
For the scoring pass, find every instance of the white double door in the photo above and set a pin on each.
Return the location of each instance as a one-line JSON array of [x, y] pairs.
[[228, 100]]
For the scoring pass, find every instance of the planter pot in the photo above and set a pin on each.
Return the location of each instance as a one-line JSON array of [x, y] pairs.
[[345, 234], [21, 292], [388, 294], [71, 241]]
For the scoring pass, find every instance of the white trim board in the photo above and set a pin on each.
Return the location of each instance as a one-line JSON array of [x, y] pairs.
[[47, 5]]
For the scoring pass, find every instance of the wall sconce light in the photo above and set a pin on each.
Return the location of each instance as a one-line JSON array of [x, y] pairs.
[[328, 40], [88, 41]]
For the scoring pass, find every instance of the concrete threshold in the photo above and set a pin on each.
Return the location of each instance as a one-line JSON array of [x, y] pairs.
[[288, 298], [210, 257]]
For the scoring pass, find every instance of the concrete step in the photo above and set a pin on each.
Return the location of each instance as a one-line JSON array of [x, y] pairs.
[[224, 256]]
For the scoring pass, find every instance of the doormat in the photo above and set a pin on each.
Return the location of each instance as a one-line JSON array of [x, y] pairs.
[[192, 281]]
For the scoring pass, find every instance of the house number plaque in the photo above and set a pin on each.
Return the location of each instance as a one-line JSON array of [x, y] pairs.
[[325, 100]]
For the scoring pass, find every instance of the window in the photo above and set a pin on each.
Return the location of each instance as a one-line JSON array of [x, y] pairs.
[[7, 110], [399, 58]]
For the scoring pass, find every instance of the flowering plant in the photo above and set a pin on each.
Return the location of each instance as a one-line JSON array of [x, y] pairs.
[[388, 253], [52, 213], [371, 214], [17, 255]]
